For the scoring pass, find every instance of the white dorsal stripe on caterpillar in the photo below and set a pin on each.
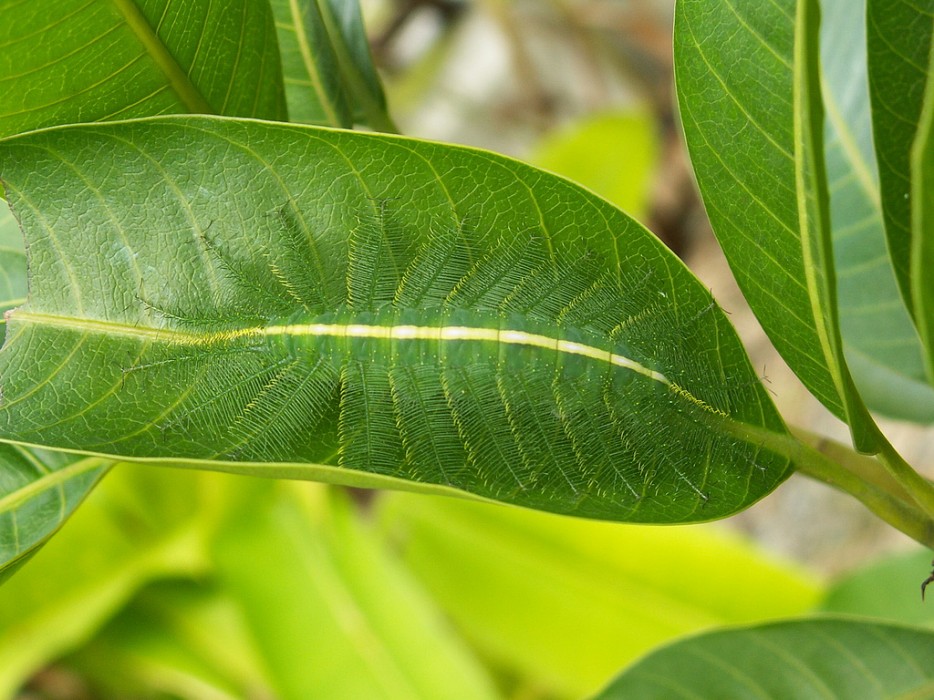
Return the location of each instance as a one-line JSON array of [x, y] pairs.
[[353, 330]]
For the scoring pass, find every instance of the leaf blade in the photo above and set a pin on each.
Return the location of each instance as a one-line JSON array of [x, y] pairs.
[[32, 480], [879, 335], [40, 490], [898, 44], [313, 86], [752, 116], [265, 341], [528, 588], [141, 529], [345, 24], [190, 56], [329, 73], [922, 221], [332, 585], [806, 658], [132, 59]]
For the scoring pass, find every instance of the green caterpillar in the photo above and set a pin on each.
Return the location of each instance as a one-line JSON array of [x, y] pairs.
[[445, 364], [438, 343]]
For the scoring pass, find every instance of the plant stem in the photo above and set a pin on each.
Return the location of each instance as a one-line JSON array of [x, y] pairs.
[[857, 475], [866, 467], [896, 512], [921, 490]]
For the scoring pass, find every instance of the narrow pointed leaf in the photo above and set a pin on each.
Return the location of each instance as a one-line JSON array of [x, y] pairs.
[[351, 44], [332, 615], [328, 69], [752, 116], [313, 85], [563, 603], [879, 337], [922, 222], [78, 61], [803, 659], [898, 44], [38, 491], [293, 310]]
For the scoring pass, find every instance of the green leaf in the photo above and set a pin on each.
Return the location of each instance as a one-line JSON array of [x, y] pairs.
[[824, 658], [74, 61], [140, 523], [898, 44], [313, 85], [345, 24], [312, 580], [329, 75], [886, 589], [922, 221], [301, 309], [38, 489], [563, 603], [614, 154], [12, 264], [880, 340], [175, 638], [752, 117], [79, 61]]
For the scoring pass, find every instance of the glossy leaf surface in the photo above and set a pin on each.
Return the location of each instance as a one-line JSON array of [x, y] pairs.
[[802, 659], [898, 44], [78, 61], [564, 603], [296, 310], [752, 116], [922, 221], [38, 489], [328, 70], [879, 336]]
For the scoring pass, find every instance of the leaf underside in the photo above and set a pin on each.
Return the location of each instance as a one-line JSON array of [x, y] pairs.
[[880, 340], [77, 61], [752, 116], [38, 491], [799, 659], [313, 86], [299, 304], [95, 60], [898, 46], [762, 244]]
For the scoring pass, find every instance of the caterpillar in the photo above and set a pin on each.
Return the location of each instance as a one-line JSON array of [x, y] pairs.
[[518, 368], [442, 346]]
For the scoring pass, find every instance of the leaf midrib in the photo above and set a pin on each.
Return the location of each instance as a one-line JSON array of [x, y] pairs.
[[311, 68], [48, 481], [396, 333], [187, 92]]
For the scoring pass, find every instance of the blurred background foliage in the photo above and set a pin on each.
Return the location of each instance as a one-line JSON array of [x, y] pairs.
[[177, 584]]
